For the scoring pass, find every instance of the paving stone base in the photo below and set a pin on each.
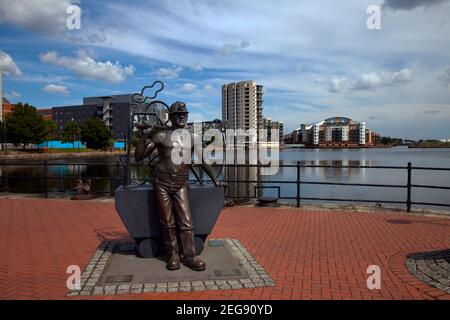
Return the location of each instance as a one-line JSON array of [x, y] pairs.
[[253, 275], [432, 268]]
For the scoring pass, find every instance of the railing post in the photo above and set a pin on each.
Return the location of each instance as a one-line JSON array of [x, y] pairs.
[[298, 184], [5, 181], [408, 186], [126, 168], [116, 179], [45, 179]]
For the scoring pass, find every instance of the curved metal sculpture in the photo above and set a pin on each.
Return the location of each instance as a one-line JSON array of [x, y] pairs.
[[136, 100]]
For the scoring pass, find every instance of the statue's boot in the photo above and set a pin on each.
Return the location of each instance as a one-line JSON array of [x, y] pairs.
[[189, 258], [171, 245]]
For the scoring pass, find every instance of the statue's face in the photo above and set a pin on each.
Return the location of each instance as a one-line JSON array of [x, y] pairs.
[[179, 120]]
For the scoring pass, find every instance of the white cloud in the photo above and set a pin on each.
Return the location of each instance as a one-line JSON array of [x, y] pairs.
[[326, 38], [54, 88], [445, 76], [86, 67], [44, 16], [8, 65], [189, 87], [208, 87], [13, 95], [373, 80], [404, 76], [230, 47], [410, 4], [49, 18], [197, 67], [370, 81], [45, 78], [170, 73], [336, 84]]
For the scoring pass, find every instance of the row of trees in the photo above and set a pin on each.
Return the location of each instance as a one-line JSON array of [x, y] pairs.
[[93, 132], [391, 141], [25, 126]]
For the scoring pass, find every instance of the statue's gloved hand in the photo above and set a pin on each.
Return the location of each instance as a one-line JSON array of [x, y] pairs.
[[142, 126], [145, 128], [221, 184]]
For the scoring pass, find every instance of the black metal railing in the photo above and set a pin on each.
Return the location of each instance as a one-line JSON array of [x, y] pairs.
[[299, 182], [120, 176]]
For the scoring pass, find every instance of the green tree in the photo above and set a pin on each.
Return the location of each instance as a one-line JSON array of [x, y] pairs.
[[95, 134], [25, 126], [71, 132], [2, 135], [50, 128]]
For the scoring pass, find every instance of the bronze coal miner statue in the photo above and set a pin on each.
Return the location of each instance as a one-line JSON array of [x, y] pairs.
[[171, 186]]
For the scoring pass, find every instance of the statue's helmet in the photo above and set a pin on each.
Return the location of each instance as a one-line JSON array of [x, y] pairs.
[[178, 107]]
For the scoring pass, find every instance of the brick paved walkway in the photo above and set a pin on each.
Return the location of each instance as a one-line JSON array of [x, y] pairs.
[[309, 254]]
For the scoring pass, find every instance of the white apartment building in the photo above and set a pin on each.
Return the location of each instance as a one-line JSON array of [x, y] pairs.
[[242, 105], [336, 131], [362, 133]]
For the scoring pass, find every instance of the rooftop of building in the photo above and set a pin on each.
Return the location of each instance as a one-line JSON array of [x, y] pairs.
[[339, 121], [333, 121], [118, 98], [74, 106], [245, 82]]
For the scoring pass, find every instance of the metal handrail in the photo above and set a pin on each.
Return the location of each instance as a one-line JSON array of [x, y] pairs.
[[298, 182]]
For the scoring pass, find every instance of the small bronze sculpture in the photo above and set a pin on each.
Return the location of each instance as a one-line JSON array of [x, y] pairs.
[[171, 187], [83, 189]]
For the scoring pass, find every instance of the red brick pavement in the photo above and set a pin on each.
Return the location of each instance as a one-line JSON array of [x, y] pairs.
[[309, 254]]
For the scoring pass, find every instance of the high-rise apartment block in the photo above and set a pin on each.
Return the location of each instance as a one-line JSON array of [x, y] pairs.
[[242, 105]]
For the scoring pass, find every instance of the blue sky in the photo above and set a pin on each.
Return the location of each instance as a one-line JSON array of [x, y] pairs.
[[316, 59]]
